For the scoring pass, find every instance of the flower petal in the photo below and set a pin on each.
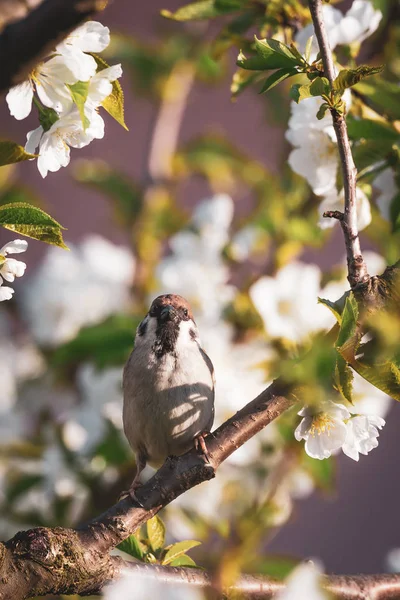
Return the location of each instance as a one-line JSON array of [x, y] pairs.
[[33, 139], [19, 100], [14, 247], [92, 36], [5, 293]]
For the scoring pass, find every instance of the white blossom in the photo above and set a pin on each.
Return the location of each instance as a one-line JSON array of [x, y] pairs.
[[287, 302], [359, 22], [304, 583], [10, 268], [100, 87], [77, 288], [70, 64], [54, 144], [368, 399], [323, 429], [362, 434], [92, 36], [335, 201], [385, 183], [315, 155], [101, 400], [195, 268], [49, 79]]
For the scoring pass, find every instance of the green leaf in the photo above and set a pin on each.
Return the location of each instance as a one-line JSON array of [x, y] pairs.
[[204, 9], [336, 307], [300, 92], [183, 561], [178, 549], [348, 337], [79, 93], [320, 86], [322, 111], [317, 87], [114, 103], [276, 78], [369, 129], [275, 54], [383, 95], [349, 77], [156, 533], [307, 53], [47, 116], [32, 222], [344, 379], [11, 153], [106, 344], [132, 547]]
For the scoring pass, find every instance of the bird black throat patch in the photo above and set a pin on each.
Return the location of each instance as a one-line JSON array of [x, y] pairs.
[[166, 337]]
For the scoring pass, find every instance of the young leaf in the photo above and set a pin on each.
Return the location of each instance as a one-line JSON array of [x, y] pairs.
[[335, 307], [32, 222], [300, 92], [79, 92], [132, 547], [344, 378], [307, 53], [322, 111], [203, 9], [320, 86], [178, 549], [275, 54], [114, 103], [183, 561], [348, 338], [276, 78], [349, 77], [156, 533], [11, 153]]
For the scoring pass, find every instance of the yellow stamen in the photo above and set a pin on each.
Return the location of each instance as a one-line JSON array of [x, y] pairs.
[[321, 423]]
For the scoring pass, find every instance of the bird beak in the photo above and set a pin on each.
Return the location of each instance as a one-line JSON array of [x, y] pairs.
[[168, 313]]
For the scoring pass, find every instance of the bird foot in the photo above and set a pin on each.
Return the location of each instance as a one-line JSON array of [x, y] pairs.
[[131, 493], [199, 442]]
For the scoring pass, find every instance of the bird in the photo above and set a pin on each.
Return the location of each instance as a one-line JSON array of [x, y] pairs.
[[168, 387]]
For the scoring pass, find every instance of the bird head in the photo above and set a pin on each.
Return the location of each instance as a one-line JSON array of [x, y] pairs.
[[169, 318]]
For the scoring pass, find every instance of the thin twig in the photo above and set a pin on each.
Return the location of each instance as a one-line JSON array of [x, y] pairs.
[[357, 269]]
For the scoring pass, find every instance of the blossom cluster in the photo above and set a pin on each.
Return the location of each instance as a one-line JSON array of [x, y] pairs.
[[10, 268], [315, 155], [51, 85]]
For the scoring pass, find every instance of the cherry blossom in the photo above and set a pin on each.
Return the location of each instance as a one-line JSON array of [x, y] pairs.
[[10, 268]]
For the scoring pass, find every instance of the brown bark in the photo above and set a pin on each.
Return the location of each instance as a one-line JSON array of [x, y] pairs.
[[357, 269]]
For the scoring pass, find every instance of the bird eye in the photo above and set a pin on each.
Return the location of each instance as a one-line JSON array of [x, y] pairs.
[[185, 312]]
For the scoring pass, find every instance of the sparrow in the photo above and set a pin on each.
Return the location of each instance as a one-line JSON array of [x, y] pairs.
[[168, 386]]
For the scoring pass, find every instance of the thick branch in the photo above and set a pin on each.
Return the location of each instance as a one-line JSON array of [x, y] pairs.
[[25, 42], [66, 561], [357, 269]]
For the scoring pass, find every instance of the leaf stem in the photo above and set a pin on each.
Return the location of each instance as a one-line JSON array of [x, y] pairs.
[[356, 267]]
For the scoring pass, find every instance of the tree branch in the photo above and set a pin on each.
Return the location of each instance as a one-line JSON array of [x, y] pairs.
[[66, 561], [357, 269], [25, 42]]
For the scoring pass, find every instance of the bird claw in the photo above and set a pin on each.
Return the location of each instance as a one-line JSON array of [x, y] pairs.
[[131, 493], [199, 442]]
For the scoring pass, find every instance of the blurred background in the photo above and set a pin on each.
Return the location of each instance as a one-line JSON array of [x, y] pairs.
[[198, 199]]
